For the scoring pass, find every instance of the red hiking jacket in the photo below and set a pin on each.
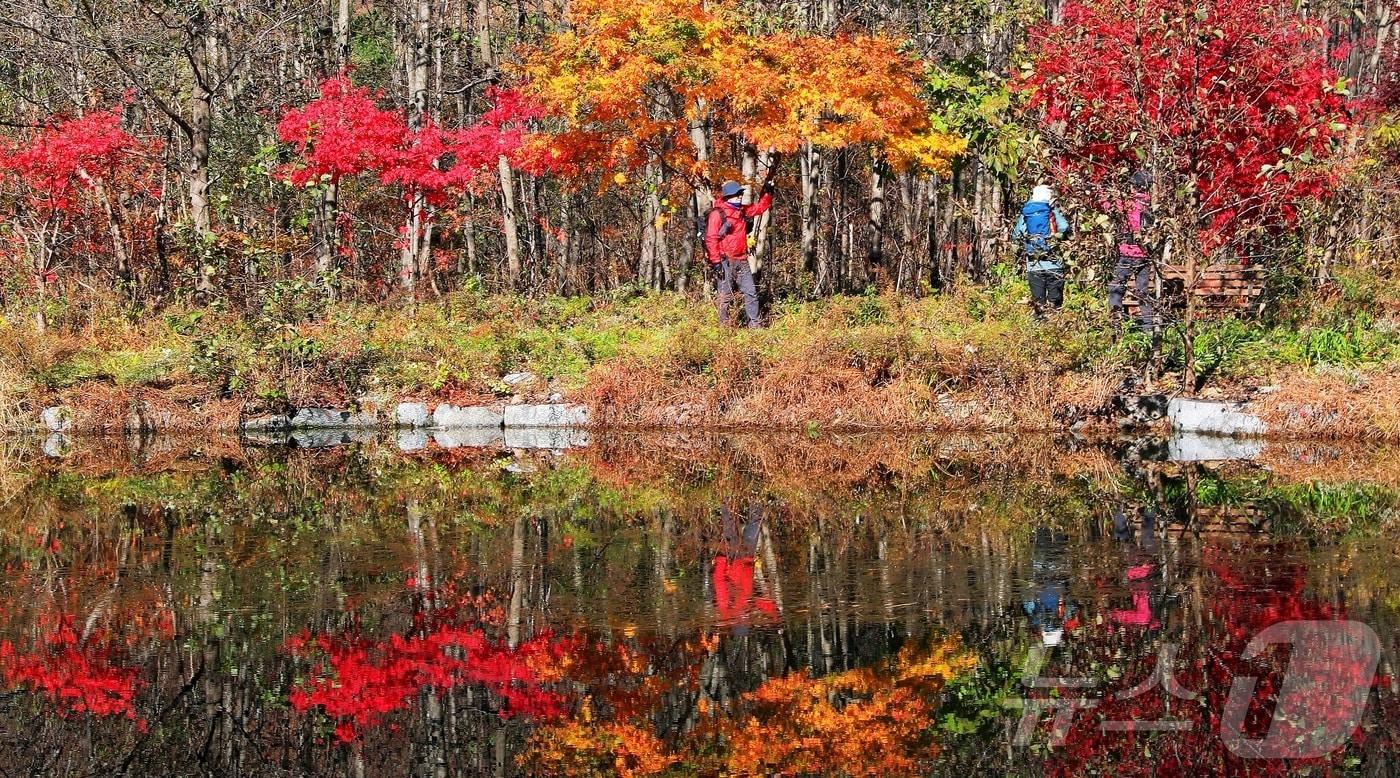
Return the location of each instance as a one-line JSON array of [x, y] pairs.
[[734, 596], [727, 233]]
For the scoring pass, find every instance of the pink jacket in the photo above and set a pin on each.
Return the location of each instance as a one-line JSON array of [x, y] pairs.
[[1132, 212]]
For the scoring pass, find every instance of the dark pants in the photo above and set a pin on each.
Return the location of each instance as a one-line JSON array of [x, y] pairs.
[[1047, 289], [729, 273], [1140, 270]]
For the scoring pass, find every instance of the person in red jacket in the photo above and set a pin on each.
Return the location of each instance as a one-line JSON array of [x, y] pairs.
[[736, 604], [727, 247]]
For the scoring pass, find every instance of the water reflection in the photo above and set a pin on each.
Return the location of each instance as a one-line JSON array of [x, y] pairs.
[[685, 606]]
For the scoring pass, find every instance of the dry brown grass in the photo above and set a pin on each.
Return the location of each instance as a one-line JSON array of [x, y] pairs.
[[1333, 407], [824, 383], [1327, 462], [109, 409]]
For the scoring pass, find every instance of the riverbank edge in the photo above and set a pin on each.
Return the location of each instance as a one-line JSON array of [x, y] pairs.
[[150, 415]]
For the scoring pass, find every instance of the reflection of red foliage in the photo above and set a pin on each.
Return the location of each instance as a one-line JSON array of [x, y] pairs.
[[1248, 600], [78, 676], [360, 681]]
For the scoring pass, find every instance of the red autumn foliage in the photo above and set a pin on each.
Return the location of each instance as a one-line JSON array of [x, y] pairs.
[[67, 157], [77, 675], [1231, 102], [358, 681], [341, 133], [344, 133], [1209, 662]]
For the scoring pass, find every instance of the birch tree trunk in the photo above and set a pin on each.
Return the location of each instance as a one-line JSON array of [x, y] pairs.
[[417, 56], [875, 224]]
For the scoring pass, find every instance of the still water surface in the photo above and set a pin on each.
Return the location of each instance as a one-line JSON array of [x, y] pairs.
[[708, 605]]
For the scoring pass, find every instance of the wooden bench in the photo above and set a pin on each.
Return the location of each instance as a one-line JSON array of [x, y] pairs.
[[1221, 286]]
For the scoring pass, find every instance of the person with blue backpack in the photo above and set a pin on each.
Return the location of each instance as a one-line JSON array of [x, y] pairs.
[[1038, 231]]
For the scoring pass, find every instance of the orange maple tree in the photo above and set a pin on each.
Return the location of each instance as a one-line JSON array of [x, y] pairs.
[[625, 84]]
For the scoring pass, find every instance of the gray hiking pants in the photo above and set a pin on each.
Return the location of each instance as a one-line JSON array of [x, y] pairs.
[[1139, 269], [731, 272]]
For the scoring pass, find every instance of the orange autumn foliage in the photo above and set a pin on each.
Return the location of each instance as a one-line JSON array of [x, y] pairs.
[[850, 90], [619, 82], [856, 722], [581, 748], [624, 83], [881, 727]]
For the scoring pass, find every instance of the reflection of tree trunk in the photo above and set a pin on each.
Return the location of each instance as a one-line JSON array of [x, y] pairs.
[[517, 583], [882, 553], [816, 605], [433, 759], [205, 618], [665, 615], [772, 579]]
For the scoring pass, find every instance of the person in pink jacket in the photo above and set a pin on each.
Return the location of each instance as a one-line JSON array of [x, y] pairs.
[[1134, 217]]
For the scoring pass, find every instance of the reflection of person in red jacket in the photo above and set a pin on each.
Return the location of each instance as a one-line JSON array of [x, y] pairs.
[[734, 571], [727, 247]]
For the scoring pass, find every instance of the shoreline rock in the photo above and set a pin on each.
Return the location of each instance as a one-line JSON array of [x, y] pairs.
[[1212, 417]]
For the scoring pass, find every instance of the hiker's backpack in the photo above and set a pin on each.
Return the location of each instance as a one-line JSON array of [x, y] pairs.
[[1040, 227]]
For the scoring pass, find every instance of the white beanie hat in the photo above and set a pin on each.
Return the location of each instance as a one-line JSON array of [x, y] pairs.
[[1042, 194]]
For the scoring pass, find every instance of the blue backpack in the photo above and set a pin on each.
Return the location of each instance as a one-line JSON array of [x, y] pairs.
[[1040, 227]]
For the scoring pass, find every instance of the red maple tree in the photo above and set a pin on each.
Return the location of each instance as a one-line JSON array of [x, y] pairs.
[[51, 177], [1232, 104], [344, 133], [341, 133]]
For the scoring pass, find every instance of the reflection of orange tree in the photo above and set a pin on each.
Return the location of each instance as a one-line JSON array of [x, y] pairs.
[[854, 722]]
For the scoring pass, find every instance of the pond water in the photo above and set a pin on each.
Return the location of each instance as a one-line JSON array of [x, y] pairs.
[[700, 605]]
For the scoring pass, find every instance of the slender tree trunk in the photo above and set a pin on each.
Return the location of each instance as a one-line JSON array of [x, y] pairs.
[[702, 198], [875, 223], [653, 244], [508, 222], [912, 202], [327, 213], [810, 164], [201, 127], [342, 33], [417, 57], [759, 255], [114, 228]]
